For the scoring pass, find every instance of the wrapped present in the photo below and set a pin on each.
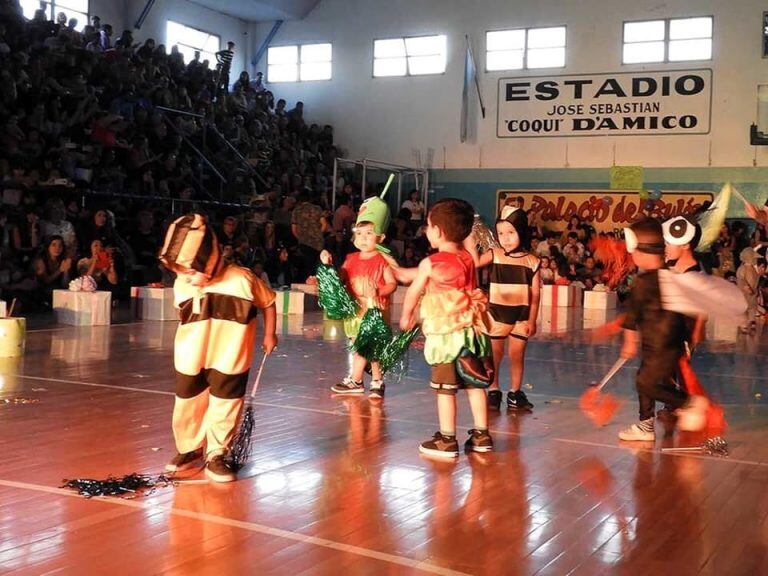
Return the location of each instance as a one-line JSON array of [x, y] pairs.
[[310, 289], [153, 303], [13, 333], [559, 295], [722, 329], [596, 300], [596, 317], [295, 302], [556, 320], [82, 308]]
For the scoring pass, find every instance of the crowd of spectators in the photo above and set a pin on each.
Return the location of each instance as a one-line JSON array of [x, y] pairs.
[[93, 165]]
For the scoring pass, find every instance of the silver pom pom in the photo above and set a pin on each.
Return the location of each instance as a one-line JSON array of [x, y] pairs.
[[483, 235], [716, 446]]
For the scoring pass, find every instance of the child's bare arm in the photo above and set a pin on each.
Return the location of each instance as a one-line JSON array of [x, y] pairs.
[[480, 260], [629, 348], [414, 293], [390, 283], [270, 337], [402, 275], [533, 312]]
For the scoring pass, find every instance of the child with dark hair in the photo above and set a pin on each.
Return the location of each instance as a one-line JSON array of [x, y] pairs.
[[514, 301], [451, 320], [663, 339]]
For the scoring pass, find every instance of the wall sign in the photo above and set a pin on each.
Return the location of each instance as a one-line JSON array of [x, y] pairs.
[[603, 209], [621, 104]]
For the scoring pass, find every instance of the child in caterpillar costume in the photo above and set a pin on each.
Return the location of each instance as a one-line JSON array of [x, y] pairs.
[[214, 344], [369, 280], [451, 310]]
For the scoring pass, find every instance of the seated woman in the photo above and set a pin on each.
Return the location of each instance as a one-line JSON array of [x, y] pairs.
[[100, 266], [52, 269]]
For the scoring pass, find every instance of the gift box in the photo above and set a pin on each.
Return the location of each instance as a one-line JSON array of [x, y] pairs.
[[555, 320], [558, 295], [596, 300], [295, 302], [13, 333], [82, 308], [596, 317], [722, 329], [153, 303], [310, 289]]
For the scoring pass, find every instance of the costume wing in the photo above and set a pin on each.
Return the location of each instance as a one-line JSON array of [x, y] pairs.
[[698, 294]]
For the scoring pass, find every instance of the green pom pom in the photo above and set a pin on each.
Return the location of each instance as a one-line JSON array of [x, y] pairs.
[[397, 348], [333, 296], [373, 337]]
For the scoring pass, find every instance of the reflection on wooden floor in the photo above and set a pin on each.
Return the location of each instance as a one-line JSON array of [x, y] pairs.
[[336, 486]]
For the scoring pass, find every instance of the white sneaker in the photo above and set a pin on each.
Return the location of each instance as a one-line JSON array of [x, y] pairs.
[[693, 416], [636, 433]]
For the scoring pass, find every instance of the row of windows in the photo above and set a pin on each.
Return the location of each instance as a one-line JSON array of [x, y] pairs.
[[670, 40]]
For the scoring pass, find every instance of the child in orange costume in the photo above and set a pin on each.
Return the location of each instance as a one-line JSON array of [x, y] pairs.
[[370, 281], [450, 312]]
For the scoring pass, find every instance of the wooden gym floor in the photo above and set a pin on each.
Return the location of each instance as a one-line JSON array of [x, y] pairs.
[[336, 485]]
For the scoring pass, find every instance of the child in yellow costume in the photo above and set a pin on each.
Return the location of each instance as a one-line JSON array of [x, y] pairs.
[[213, 350]]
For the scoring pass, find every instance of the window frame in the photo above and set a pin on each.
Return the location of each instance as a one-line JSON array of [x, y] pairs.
[[407, 67], [298, 62], [667, 40], [525, 49], [169, 46]]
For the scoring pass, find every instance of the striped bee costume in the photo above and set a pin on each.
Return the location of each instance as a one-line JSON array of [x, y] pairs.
[[215, 339]]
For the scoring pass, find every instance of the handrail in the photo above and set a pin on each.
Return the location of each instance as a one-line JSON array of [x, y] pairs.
[[163, 199], [177, 111], [243, 159], [198, 152]]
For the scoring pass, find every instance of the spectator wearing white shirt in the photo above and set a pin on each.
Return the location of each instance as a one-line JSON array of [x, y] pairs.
[[416, 207]]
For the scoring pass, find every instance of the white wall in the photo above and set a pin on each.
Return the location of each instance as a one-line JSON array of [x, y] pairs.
[[384, 118]]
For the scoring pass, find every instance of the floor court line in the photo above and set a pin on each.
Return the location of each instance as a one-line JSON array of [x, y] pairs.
[[251, 527], [420, 422]]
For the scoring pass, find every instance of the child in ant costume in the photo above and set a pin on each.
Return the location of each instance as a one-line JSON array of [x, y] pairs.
[[214, 344], [664, 333], [513, 301]]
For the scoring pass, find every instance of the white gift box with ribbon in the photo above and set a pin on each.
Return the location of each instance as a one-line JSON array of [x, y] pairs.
[[154, 303], [82, 308], [555, 295]]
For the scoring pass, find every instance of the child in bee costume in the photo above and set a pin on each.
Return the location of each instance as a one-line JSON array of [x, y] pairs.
[[213, 350]]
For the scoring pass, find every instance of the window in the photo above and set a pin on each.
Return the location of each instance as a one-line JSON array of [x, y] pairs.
[[191, 39], [525, 48], [673, 40], [414, 56], [77, 9], [306, 62]]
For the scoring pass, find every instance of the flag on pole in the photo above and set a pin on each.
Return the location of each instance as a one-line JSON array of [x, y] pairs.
[[470, 77]]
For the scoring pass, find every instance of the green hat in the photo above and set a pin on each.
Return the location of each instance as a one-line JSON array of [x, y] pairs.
[[375, 211]]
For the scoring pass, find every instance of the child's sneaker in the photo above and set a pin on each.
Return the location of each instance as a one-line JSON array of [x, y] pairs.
[[440, 446], [693, 416], [494, 399], [518, 401], [219, 470], [186, 461], [479, 441], [377, 389], [348, 386], [643, 431]]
